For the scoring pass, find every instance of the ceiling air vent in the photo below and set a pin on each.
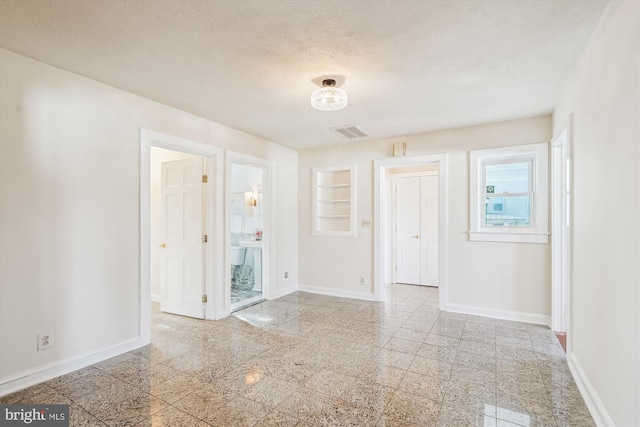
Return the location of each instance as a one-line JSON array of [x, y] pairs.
[[350, 132]]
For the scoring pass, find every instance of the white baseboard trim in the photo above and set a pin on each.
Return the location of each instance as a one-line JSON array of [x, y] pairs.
[[337, 292], [538, 319], [283, 292], [44, 373], [155, 297], [589, 394]]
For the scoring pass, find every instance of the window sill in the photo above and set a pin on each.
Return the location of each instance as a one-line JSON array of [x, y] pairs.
[[491, 236]]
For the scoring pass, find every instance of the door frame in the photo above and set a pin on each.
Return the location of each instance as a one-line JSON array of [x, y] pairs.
[[393, 219], [268, 221], [561, 229], [382, 198], [150, 139]]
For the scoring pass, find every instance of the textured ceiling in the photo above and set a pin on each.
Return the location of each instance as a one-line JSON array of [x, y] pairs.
[[408, 66]]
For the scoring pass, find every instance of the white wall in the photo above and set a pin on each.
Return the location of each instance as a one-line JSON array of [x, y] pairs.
[[500, 277], [69, 215], [603, 96], [158, 155]]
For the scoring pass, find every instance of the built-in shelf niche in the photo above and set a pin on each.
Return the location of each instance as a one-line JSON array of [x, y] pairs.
[[334, 201]]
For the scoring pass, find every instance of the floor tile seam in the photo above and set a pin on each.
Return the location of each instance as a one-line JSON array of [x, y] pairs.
[[427, 375], [79, 379], [181, 410], [550, 407], [393, 391], [440, 404], [88, 409]]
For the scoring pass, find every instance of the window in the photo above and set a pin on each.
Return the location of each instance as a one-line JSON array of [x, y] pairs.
[[509, 194]]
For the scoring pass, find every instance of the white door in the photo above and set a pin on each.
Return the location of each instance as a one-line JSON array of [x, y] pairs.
[[429, 226], [417, 230], [408, 251], [181, 277]]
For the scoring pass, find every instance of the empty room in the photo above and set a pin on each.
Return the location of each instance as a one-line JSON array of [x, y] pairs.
[[320, 213]]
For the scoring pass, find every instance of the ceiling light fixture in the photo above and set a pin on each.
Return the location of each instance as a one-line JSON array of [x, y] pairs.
[[329, 97]]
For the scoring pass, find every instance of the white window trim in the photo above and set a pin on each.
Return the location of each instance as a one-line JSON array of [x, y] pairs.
[[538, 232]]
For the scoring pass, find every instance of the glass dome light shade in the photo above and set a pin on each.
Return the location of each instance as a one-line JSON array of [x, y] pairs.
[[329, 98]]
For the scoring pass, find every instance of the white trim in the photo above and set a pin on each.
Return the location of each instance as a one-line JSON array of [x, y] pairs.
[[485, 236], [517, 316], [269, 229], [150, 139], [282, 292], [589, 394], [380, 200], [52, 370], [337, 292], [539, 214], [561, 223], [155, 297]]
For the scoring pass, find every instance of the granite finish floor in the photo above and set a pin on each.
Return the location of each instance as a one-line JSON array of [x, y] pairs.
[[313, 360]]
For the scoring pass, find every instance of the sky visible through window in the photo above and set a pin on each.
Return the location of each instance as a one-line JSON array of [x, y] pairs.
[[505, 203]]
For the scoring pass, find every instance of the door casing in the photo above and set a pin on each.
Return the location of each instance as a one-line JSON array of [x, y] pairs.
[[561, 230], [214, 220], [381, 220], [269, 235]]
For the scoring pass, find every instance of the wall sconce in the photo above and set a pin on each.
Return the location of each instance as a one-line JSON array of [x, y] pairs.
[[249, 199]]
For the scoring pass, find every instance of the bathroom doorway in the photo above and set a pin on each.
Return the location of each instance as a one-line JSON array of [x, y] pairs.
[[247, 233]]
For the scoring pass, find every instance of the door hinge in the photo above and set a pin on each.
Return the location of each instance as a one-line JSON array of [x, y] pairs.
[[205, 238], [205, 178], [204, 298]]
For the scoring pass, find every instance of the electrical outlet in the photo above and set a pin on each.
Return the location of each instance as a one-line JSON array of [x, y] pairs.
[[45, 341], [286, 274], [362, 281]]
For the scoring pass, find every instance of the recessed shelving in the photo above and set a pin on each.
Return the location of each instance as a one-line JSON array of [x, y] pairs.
[[334, 201]]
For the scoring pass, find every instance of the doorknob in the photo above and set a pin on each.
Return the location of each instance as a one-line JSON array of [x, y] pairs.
[[162, 246], [416, 236]]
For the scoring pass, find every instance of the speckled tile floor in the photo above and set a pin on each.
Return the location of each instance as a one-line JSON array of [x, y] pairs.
[[313, 360]]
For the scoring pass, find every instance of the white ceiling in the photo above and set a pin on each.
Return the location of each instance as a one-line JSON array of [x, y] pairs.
[[409, 66]]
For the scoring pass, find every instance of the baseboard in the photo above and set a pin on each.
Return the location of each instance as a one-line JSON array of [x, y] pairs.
[[283, 292], [155, 297], [44, 373], [337, 292], [538, 319], [589, 394]]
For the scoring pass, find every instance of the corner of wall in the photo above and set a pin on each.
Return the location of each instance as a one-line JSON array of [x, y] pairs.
[[589, 394]]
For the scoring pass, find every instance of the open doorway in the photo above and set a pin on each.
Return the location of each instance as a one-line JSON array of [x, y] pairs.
[[192, 174], [247, 226], [250, 242], [385, 212]]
